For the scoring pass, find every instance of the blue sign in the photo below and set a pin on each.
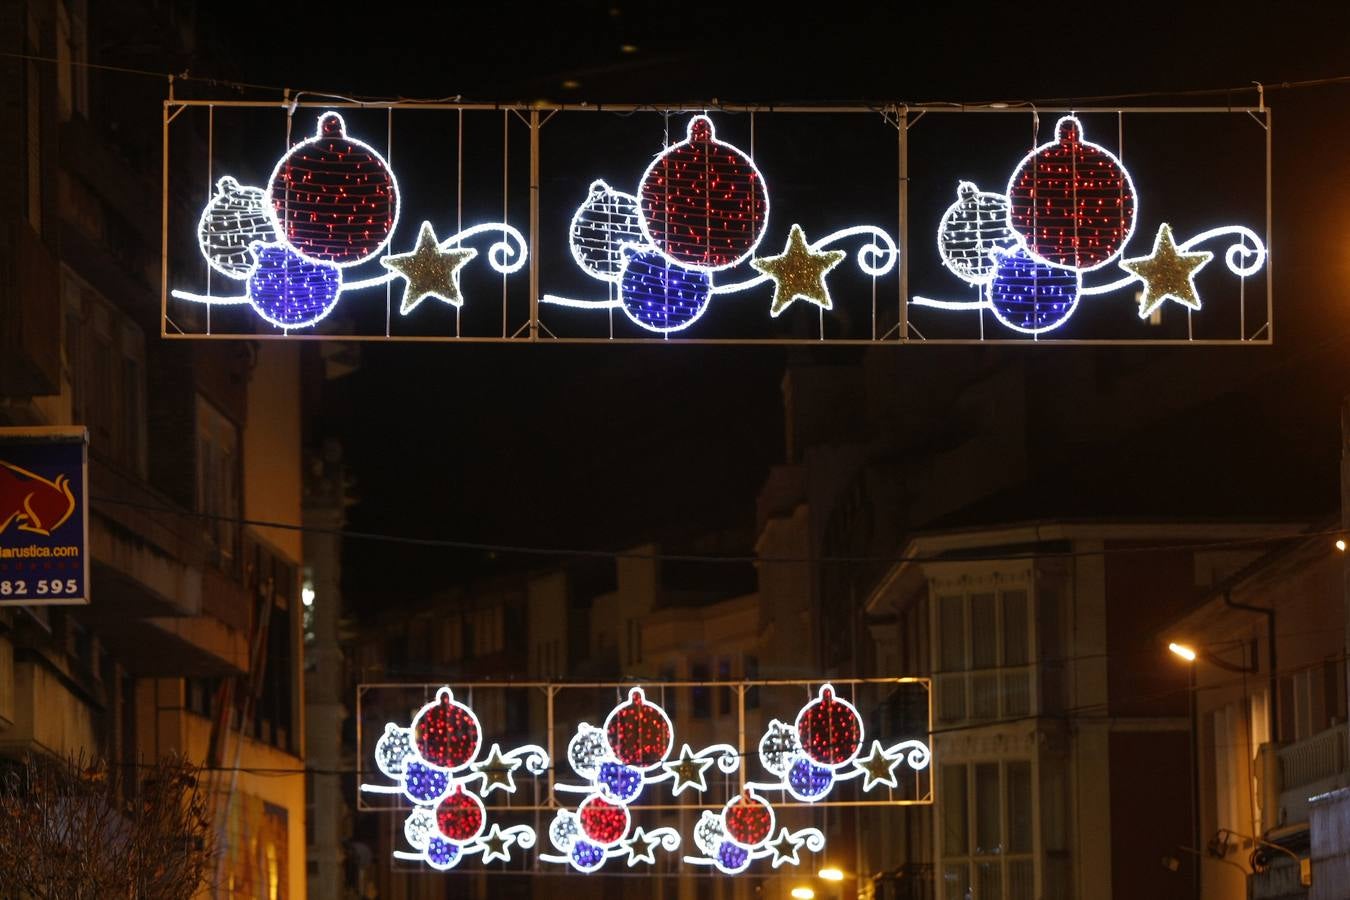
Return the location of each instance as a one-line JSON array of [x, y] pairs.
[[44, 516]]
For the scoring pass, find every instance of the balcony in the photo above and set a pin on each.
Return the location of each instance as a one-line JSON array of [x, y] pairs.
[[986, 694], [1313, 766], [30, 314], [155, 600]]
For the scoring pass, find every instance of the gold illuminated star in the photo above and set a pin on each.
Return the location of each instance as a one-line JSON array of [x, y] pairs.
[[430, 270], [878, 768], [689, 771], [495, 844], [1167, 272], [799, 272], [496, 771]]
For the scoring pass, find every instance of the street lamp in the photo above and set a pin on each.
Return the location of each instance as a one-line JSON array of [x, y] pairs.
[[802, 892], [831, 873], [1185, 652]]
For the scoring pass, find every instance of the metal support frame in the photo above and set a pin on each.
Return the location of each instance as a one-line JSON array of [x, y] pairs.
[[902, 116], [553, 741]]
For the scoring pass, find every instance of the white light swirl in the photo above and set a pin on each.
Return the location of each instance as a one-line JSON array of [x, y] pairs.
[[534, 757], [1241, 259], [918, 753], [875, 257]]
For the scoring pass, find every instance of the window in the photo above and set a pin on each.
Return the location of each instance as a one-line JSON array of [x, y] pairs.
[[983, 646], [105, 369], [218, 481], [670, 696], [986, 831], [634, 642], [751, 664], [702, 695]]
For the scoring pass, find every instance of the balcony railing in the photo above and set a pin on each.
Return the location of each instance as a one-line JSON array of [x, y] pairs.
[[1314, 759]]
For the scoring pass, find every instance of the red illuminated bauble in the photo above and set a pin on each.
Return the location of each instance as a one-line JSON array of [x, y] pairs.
[[460, 816], [1072, 201], [603, 822], [446, 732], [829, 729], [638, 732], [749, 819], [334, 197], [704, 204]]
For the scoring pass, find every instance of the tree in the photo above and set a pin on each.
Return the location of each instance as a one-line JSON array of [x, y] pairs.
[[72, 830]]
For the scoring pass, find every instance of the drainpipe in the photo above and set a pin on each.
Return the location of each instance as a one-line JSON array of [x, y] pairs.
[[1273, 705]]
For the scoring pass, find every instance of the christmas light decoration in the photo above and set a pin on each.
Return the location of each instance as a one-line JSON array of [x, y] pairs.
[[971, 231], [689, 771], [1031, 297], [660, 295], [1072, 201], [829, 729], [878, 768], [1167, 272], [435, 764], [639, 733], [430, 270], [332, 203], [738, 835], [602, 822], [288, 291], [704, 203], [799, 273], [234, 218], [603, 224], [334, 198]]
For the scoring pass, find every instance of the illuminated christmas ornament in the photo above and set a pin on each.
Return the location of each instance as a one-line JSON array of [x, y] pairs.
[[430, 270], [878, 767], [659, 295], [971, 230], [603, 822], [1029, 296], [393, 750], [749, 819], [446, 732], [604, 222], [441, 854], [620, 783], [334, 197], [689, 771], [709, 833], [704, 204], [829, 729], [778, 747], [564, 830], [587, 857], [799, 273], [288, 291], [234, 218], [808, 781], [420, 827], [423, 784], [1072, 201], [639, 732], [586, 749], [460, 816], [1167, 272], [732, 858]]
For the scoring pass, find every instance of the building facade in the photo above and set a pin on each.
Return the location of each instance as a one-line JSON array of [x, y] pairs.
[[191, 642]]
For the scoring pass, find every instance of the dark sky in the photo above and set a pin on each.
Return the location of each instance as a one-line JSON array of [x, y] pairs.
[[597, 447]]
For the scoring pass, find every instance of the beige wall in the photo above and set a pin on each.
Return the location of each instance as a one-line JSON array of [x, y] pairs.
[[272, 444]]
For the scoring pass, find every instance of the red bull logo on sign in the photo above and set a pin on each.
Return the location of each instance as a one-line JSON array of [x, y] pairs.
[[43, 516]]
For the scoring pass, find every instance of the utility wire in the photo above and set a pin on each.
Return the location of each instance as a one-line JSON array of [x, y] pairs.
[[529, 550]]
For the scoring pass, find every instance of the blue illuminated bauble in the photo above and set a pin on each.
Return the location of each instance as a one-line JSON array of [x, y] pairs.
[[661, 296], [587, 856], [620, 782], [289, 291], [808, 781], [441, 854], [1030, 296], [732, 857], [423, 784]]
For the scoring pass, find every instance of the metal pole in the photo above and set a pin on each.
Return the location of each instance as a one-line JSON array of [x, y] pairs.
[[534, 224], [902, 221]]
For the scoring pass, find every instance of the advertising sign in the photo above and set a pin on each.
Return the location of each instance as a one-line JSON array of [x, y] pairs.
[[44, 516]]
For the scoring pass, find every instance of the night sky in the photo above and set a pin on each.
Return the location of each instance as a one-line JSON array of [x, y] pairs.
[[604, 446]]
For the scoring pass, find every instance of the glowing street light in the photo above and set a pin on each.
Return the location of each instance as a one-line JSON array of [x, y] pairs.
[[1340, 544], [1185, 652], [831, 873], [802, 892]]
